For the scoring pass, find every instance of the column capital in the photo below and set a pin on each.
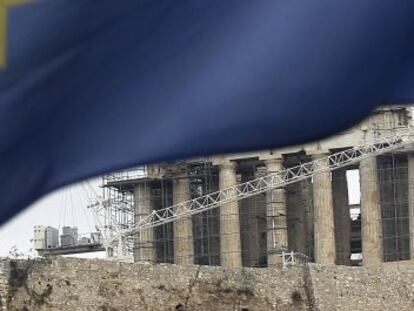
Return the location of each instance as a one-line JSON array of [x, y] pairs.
[[179, 179], [273, 160], [274, 164], [317, 154], [227, 164], [270, 156]]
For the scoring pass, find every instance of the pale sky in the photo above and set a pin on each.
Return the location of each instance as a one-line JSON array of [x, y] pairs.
[[67, 207]]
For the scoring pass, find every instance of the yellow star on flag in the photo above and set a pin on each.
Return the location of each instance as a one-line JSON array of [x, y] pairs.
[[4, 6]]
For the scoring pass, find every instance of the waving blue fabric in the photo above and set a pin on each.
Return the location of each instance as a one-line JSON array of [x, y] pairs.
[[90, 86]]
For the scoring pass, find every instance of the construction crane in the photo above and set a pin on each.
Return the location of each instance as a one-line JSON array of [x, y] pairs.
[[263, 184], [108, 223]]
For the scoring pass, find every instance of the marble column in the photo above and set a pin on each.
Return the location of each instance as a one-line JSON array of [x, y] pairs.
[[144, 248], [277, 238], [371, 220], [230, 246], [183, 228], [324, 214]]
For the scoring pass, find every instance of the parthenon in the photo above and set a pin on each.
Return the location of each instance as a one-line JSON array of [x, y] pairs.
[[312, 218]]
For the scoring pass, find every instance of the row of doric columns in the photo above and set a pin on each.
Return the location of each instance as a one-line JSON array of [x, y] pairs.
[[328, 224]]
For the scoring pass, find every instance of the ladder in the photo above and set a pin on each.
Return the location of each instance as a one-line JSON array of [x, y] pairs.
[[271, 181]]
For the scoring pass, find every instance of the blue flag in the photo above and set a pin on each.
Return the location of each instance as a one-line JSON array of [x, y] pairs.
[[90, 86]]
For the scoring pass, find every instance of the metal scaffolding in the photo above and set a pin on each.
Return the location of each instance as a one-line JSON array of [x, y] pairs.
[[271, 181], [393, 178]]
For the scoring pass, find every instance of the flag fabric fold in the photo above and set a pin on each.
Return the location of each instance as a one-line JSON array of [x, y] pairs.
[[91, 86]]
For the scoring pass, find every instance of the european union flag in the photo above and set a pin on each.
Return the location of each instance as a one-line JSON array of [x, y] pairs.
[[90, 86]]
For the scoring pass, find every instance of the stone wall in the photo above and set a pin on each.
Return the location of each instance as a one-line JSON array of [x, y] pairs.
[[390, 287], [80, 284]]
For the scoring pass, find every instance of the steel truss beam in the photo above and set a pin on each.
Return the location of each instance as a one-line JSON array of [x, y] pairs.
[[272, 181]]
